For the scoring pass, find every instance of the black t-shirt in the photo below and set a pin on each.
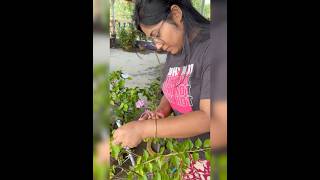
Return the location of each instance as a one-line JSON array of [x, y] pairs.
[[186, 79]]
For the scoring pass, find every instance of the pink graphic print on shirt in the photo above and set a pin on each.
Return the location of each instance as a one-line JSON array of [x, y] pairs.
[[176, 88]]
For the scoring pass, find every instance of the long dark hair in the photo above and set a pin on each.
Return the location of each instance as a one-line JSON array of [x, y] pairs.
[[151, 12]]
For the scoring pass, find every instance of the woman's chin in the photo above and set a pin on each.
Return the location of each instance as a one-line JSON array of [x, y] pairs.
[[172, 51]]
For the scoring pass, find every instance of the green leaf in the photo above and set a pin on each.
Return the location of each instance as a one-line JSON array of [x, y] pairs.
[[176, 177], [190, 144], [157, 176], [182, 156], [185, 146], [161, 150], [125, 107], [145, 155], [165, 166], [139, 159], [198, 143], [132, 92], [176, 161], [121, 83], [140, 170], [130, 176], [206, 143], [187, 161], [143, 177], [164, 176], [121, 105], [195, 156], [115, 150], [170, 146], [149, 167], [159, 164], [207, 155]]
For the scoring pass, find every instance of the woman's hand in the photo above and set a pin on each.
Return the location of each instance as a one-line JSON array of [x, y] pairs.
[[151, 115], [129, 135]]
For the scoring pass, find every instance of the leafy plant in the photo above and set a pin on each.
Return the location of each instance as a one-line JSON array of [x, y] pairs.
[[169, 165], [127, 37], [171, 159], [123, 99]]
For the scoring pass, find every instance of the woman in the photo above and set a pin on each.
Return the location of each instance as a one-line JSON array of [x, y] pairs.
[[177, 28]]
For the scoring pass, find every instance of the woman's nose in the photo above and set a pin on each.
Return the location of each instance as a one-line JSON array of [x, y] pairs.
[[158, 46]]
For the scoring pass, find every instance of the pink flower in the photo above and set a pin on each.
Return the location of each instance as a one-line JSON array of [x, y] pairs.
[[140, 104]]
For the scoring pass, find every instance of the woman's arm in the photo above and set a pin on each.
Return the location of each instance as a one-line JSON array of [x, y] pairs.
[[182, 126], [162, 111], [164, 107], [218, 132]]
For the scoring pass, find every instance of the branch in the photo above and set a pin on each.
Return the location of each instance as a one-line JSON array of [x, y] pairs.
[[172, 154]]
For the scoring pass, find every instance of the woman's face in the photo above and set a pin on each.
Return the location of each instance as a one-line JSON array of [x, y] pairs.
[[169, 35]]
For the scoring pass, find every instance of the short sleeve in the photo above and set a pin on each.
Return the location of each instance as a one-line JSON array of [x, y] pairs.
[[220, 81], [206, 75], [206, 81]]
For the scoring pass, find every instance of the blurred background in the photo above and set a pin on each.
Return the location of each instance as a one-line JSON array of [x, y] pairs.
[[100, 89]]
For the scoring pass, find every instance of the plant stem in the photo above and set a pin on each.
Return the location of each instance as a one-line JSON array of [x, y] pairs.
[[157, 57], [127, 170], [166, 155]]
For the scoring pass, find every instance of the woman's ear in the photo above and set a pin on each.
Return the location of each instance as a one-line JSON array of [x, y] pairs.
[[176, 14]]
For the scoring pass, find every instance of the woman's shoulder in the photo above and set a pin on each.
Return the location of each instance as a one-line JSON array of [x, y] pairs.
[[202, 51]]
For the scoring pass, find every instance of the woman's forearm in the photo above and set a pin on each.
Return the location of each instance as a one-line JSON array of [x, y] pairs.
[[218, 132], [182, 126], [164, 107]]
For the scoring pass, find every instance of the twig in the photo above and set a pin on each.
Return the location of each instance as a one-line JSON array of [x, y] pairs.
[[127, 171], [134, 154], [157, 57], [166, 155]]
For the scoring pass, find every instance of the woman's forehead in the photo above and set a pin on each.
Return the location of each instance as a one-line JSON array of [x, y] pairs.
[[147, 29]]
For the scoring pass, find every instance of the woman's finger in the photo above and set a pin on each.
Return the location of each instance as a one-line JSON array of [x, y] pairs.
[[160, 115], [153, 115], [144, 116]]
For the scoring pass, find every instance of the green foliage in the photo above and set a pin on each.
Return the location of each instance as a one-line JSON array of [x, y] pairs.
[[173, 156], [127, 36], [195, 156], [198, 143], [168, 166], [123, 10], [115, 150], [206, 143], [99, 170], [123, 99], [206, 9], [153, 94], [221, 162]]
